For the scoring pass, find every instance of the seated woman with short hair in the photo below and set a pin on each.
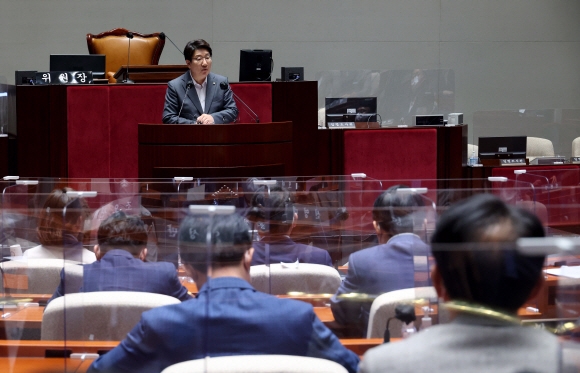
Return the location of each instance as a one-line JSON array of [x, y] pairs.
[[61, 237]]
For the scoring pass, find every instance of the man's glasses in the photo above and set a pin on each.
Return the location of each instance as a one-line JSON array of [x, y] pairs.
[[198, 59]]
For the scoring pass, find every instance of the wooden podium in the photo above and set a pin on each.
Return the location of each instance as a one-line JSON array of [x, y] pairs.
[[218, 150]]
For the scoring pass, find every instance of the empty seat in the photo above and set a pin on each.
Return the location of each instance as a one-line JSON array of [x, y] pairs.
[[538, 147]]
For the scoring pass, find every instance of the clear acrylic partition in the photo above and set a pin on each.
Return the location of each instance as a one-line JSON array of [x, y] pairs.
[[400, 93], [560, 126], [313, 238]]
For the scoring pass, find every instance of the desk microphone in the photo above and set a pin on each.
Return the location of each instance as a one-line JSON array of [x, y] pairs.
[[225, 86], [163, 36], [187, 88], [129, 36]]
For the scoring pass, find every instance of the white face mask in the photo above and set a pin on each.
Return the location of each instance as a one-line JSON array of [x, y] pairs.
[[415, 80]]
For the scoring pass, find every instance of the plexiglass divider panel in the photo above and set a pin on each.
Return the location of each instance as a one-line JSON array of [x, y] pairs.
[[559, 126], [400, 94], [356, 249]]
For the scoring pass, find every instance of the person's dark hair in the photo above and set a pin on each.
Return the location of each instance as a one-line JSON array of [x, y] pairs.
[[395, 212], [274, 210], [194, 45], [230, 238], [474, 248], [52, 224], [121, 231]]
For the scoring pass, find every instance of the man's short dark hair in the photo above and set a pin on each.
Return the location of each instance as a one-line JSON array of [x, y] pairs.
[[121, 231], [194, 45], [474, 248], [230, 239], [275, 210], [395, 212]]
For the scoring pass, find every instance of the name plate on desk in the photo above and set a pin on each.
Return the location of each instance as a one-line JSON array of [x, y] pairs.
[[513, 162], [505, 162], [64, 77], [575, 160], [339, 125], [360, 125]]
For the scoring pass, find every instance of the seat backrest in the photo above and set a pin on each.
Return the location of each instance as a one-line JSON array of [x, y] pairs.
[[538, 147], [576, 147], [40, 276], [100, 316], [383, 308], [257, 364], [303, 277], [145, 48]]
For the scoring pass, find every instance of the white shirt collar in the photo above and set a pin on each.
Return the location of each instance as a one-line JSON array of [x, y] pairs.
[[202, 85]]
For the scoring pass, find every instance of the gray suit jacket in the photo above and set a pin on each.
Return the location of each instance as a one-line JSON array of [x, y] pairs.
[[219, 103], [468, 344]]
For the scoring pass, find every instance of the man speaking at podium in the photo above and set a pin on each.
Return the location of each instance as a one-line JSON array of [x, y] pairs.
[[196, 97]]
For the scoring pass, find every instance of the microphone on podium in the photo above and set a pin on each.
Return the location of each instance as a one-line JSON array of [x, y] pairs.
[[187, 88], [127, 80], [225, 86]]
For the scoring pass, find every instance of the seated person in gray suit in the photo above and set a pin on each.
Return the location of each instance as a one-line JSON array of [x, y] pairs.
[[275, 218], [483, 280], [388, 266], [120, 264], [228, 317], [199, 96]]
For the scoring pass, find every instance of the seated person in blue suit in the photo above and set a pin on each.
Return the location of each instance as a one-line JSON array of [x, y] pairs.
[[388, 266], [484, 280], [120, 263], [228, 317], [199, 96], [275, 218]]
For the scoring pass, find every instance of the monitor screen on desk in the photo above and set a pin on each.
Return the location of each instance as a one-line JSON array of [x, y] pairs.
[[502, 147], [351, 109], [255, 65], [79, 62]]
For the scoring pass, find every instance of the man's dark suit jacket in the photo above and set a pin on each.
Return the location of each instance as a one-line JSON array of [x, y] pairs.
[[228, 317], [219, 103], [119, 271], [378, 270], [288, 251]]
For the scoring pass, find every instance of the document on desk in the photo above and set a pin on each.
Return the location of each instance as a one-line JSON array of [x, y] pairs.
[[565, 271]]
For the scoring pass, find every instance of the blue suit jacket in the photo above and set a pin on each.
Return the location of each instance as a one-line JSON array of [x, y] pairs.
[[219, 103], [228, 317], [288, 251], [118, 270], [375, 271]]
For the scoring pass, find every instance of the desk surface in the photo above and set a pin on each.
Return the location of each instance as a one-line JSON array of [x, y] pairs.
[[43, 365]]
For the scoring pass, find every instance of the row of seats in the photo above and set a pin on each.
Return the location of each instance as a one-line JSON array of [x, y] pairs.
[[536, 147], [109, 316], [42, 276]]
